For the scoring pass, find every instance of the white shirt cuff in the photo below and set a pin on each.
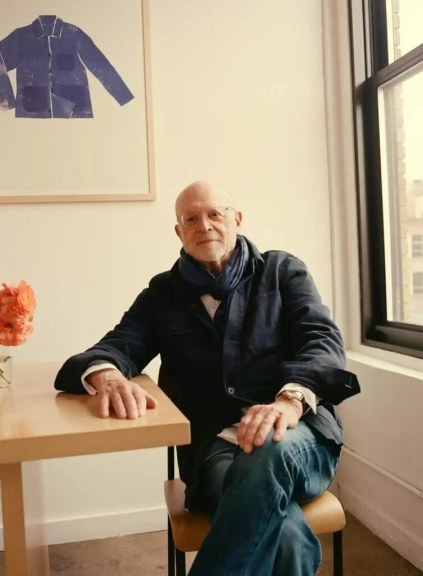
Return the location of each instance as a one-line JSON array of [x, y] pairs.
[[310, 397], [94, 368]]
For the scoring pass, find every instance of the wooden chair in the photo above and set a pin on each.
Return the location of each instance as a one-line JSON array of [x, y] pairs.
[[187, 530]]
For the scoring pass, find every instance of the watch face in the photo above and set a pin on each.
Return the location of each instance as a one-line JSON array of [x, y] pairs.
[[294, 394]]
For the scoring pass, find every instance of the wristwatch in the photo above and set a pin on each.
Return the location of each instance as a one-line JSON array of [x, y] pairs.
[[295, 395]]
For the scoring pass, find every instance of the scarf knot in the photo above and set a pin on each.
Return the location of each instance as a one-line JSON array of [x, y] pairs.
[[220, 286]]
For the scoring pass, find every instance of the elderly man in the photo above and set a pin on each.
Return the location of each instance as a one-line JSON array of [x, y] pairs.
[[256, 364]]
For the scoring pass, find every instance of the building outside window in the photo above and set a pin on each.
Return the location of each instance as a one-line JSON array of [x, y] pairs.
[[418, 282], [417, 246]]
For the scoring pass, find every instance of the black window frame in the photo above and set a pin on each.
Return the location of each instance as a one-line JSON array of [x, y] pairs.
[[370, 70]]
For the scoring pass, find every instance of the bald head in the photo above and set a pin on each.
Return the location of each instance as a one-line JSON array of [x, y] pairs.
[[202, 192]]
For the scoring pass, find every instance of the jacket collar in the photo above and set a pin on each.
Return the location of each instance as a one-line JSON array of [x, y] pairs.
[[256, 258], [47, 26]]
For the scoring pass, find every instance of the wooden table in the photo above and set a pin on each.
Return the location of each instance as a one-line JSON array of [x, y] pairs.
[[36, 423]]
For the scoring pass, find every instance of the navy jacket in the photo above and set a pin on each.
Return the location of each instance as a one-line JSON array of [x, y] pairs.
[[277, 331], [7, 97], [51, 57]]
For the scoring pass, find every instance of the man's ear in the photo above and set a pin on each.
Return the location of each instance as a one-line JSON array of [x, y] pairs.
[[238, 218], [178, 232]]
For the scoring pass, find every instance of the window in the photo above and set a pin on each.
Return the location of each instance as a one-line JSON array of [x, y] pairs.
[[387, 51], [418, 282], [417, 246]]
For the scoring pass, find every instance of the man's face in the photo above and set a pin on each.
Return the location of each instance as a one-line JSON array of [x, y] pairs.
[[207, 225]]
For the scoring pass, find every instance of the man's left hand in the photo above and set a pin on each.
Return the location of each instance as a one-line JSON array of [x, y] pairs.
[[260, 419]]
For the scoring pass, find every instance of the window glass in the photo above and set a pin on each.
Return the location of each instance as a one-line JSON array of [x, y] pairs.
[[418, 283], [401, 144], [404, 22], [417, 246]]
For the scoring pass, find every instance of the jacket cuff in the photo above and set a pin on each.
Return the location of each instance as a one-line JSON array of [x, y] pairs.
[[95, 367]]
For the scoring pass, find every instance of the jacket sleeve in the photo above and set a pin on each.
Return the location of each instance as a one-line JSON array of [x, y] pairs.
[[129, 346], [317, 356], [97, 64], [9, 55]]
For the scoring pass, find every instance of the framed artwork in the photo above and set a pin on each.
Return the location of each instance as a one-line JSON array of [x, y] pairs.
[[75, 102]]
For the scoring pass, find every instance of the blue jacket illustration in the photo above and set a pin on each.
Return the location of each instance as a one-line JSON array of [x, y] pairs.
[[7, 97], [51, 58]]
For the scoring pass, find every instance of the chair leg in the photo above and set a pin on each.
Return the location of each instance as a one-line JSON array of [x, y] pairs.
[[180, 563], [337, 554], [170, 550]]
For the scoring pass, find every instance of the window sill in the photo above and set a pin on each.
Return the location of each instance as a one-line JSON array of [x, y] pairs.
[[389, 361]]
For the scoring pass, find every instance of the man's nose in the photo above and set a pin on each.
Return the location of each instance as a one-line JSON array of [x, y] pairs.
[[204, 223]]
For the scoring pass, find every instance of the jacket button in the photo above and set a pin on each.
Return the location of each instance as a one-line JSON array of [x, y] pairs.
[[231, 390]]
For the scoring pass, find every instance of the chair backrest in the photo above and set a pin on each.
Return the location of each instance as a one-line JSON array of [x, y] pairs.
[[170, 462], [166, 384]]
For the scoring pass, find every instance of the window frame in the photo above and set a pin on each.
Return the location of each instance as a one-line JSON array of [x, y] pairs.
[[370, 70]]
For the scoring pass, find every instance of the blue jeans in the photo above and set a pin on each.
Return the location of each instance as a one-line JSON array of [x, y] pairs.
[[258, 528]]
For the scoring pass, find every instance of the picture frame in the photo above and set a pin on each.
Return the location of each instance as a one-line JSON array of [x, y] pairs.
[[103, 149]]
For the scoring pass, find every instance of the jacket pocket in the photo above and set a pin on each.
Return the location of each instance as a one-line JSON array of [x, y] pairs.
[[263, 330], [76, 95], [177, 325], [35, 98]]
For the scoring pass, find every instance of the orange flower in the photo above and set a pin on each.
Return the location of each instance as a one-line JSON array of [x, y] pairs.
[[19, 299], [17, 305]]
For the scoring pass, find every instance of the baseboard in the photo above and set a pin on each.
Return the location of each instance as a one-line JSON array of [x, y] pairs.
[[104, 526], [388, 506]]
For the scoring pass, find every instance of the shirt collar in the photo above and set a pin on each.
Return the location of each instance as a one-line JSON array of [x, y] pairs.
[[43, 23]]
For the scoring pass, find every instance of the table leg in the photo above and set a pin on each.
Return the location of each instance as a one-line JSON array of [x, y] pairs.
[[25, 551]]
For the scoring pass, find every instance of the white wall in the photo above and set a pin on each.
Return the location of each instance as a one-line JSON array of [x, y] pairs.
[[238, 98]]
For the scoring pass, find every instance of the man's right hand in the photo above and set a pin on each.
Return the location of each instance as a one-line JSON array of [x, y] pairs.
[[115, 392]]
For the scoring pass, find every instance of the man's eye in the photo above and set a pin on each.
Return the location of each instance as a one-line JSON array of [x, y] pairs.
[[191, 219], [214, 214]]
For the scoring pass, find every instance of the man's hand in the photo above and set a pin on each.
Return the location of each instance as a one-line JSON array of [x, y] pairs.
[[125, 398], [260, 419]]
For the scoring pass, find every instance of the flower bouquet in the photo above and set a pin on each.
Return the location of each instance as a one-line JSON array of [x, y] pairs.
[[17, 305]]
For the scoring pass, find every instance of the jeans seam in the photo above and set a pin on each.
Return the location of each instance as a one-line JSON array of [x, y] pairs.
[[265, 523]]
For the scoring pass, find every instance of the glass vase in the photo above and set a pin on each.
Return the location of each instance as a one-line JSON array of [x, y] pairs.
[[6, 368]]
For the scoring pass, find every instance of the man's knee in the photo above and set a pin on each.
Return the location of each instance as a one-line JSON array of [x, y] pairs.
[[269, 461]]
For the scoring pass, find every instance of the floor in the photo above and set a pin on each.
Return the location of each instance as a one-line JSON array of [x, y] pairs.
[[145, 555]]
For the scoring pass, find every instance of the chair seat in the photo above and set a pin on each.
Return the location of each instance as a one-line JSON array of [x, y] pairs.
[[324, 516]]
